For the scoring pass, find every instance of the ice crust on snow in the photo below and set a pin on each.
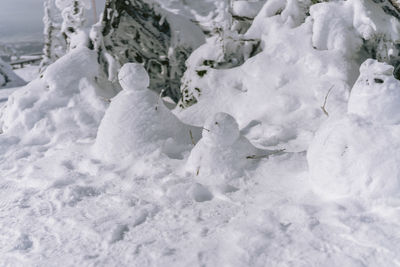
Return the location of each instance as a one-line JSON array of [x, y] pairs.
[[137, 123], [358, 155]]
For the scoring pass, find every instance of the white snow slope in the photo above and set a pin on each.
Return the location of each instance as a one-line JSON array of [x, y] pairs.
[[62, 204]]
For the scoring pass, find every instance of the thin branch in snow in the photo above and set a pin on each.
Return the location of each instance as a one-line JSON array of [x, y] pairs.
[[191, 137], [323, 107], [265, 156]]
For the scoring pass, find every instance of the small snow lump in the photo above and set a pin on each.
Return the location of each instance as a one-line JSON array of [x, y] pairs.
[[133, 76], [222, 152]]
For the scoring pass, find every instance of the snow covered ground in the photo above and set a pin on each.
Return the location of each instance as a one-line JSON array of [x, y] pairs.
[[77, 189], [28, 73]]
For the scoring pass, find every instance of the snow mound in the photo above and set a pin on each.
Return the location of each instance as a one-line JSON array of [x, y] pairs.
[[222, 152], [63, 104], [8, 78], [358, 155], [376, 94], [137, 123]]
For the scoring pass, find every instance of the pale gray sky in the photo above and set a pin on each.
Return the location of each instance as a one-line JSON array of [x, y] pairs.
[[21, 20]]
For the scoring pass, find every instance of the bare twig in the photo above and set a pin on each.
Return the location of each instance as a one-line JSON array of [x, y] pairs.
[[323, 107], [191, 137], [106, 99], [265, 156]]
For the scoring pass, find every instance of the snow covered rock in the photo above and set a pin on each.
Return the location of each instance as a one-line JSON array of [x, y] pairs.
[[8, 78], [137, 123], [222, 152], [376, 94], [358, 155]]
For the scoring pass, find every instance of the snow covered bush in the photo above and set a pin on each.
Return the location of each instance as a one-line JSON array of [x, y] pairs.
[[316, 51], [358, 155]]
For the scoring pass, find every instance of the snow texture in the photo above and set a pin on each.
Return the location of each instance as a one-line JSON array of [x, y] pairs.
[[86, 182], [138, 123], [358, 155]]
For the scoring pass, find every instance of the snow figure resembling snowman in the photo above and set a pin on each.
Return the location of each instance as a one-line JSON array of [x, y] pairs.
[[359, 155], [223, 153], [137, 123]]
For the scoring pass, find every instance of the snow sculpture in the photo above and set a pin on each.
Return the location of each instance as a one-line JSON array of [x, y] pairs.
[[376, 94], [222, 151], [137, 123], [359, 154]]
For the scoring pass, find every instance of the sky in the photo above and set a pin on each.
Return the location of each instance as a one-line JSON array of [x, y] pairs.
[[21, 20]]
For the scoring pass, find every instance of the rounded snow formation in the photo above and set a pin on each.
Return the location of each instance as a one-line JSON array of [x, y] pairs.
[[221, 130], [222, 152], [376, 94], [133, 76], [355, 158], [137, 123]]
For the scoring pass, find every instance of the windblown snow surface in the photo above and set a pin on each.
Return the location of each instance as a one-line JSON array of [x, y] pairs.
[[330, 199]]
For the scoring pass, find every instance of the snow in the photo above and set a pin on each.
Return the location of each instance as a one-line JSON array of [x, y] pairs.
[[222, 151], [8, 78], [376, 94], [133, 77], [92, 181], [28, 73], [358, 155], [137, 122]]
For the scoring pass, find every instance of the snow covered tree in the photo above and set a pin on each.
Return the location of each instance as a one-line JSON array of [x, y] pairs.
[[54, 45], [73, 14], [140, 31]]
